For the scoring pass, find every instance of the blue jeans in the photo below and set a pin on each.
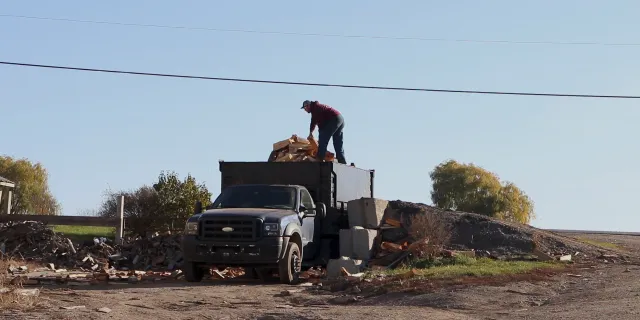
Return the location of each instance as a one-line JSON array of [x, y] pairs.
[[332, 129]]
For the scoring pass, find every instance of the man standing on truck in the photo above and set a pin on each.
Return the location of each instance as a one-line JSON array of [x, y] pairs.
[[330, 125]]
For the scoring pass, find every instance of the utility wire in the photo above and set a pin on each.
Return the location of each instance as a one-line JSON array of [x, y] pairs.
[[324, 34], [321, 84]]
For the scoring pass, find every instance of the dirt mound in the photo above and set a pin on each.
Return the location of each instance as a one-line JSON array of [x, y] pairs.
[[497, 238]]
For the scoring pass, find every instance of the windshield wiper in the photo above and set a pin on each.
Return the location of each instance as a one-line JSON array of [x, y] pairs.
[[277, 207]]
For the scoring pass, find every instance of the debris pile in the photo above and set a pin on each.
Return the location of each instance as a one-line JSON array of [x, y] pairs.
[[154, 258], [313, 275], [49, 275], [158, 257], [297, 149], [475, 235], [159, 252], [34, 241]]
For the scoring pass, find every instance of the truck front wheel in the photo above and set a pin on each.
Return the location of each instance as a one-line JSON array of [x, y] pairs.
[[291, 266], [192, 271]]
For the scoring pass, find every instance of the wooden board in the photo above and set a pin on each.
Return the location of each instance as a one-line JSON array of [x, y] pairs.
[[282, 144], [297, 149]]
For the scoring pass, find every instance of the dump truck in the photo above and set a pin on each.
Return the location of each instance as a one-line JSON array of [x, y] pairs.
[[273, 217]]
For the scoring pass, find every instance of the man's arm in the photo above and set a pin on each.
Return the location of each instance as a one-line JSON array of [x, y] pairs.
[[314, 120]]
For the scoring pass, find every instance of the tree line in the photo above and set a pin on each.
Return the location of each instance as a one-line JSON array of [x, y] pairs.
[[169, 201]]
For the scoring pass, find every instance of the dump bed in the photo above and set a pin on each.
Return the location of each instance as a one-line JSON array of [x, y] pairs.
[[334, 184]]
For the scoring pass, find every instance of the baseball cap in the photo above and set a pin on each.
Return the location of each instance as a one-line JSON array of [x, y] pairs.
[[305, 103]]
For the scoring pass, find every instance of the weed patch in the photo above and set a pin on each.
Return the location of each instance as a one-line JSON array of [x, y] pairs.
[[457, 266]]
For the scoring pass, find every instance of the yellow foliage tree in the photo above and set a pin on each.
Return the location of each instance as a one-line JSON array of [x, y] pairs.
[[469, 188], [32, 194]]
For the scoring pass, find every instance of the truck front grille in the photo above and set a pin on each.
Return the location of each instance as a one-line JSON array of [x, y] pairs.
[[241, 229]]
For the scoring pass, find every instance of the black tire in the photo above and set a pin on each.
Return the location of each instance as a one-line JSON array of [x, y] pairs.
[[192, 271], [291, 266]]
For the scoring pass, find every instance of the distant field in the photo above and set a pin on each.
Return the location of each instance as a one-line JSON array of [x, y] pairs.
[[82, 233], [603, 244]]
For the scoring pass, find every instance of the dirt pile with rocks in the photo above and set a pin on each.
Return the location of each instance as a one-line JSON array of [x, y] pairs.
[[496, 238]]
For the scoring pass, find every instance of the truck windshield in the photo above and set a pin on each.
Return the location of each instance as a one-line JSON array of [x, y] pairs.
[[272, 197]]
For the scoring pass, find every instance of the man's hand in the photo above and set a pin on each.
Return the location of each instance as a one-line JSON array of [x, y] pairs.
[[310, 137]]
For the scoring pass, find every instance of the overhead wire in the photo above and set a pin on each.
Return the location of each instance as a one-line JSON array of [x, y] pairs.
[[287, 33], [319, 84]]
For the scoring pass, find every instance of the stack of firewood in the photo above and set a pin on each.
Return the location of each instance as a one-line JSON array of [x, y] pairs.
[[297, 149]]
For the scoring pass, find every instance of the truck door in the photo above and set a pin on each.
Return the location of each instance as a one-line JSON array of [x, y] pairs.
[[308, 226]]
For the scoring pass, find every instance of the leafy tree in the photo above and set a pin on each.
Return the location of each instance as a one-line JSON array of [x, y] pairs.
[[469, 188], [177, 198], [514, 204], [141, 209], [31, 194], [164, 206]]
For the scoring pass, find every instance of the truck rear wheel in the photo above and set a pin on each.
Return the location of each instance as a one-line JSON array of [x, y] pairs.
[[291, 266], [192, 271]]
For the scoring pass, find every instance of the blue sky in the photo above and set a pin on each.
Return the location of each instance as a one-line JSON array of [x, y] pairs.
[[574, 157]]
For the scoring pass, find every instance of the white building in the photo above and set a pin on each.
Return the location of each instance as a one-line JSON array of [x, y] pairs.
[[6, 193]]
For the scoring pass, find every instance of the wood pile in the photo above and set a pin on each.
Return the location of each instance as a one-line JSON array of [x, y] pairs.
[[297, 149]]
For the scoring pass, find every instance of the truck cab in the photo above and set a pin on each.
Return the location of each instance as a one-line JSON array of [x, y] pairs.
[[273, 217], [262, 226]]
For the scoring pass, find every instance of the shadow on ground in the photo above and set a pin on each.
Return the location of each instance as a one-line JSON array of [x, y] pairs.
[[164, 284]]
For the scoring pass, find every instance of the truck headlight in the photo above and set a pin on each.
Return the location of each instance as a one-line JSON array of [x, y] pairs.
[[271, 229], [191, 228]]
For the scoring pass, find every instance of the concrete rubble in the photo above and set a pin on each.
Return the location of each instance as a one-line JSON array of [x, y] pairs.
[[34, 241], [155, 258]]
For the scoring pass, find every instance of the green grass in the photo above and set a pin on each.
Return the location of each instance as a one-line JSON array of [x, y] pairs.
[[603, 244], [465, 266], [82, 233]]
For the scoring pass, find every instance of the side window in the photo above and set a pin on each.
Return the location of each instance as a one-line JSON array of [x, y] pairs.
[[306, 199]]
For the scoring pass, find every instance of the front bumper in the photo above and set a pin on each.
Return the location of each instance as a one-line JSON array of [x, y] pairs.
[[264, 252]]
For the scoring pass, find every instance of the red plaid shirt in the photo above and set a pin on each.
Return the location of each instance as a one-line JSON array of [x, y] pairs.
[[320, 113]]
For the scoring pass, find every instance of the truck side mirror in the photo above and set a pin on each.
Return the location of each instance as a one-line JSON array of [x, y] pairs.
[[307, 213], [198, 207]]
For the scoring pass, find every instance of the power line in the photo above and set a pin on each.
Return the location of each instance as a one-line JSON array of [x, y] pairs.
[[321, 84], [486, 41]]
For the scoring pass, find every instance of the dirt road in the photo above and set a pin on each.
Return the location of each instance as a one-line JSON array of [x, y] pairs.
[[590, 292]]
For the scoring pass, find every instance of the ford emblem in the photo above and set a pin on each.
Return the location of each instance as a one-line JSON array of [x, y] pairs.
[[227, 229]]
